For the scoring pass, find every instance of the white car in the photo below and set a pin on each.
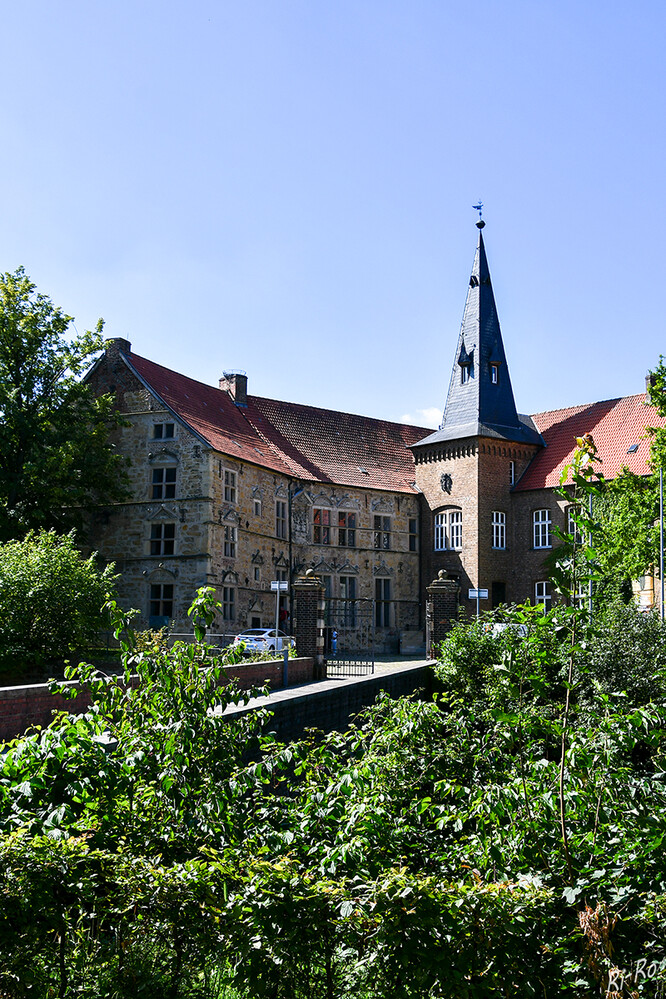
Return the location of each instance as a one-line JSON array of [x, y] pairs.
[[264, 640]]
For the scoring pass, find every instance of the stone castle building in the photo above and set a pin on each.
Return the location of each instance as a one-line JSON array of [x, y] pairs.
[[234, 491]]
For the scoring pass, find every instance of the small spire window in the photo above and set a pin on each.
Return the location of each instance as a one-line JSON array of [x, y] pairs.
[[494, 374]]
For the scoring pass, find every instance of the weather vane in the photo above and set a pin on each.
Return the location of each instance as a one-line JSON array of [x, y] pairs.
[[479, 208]]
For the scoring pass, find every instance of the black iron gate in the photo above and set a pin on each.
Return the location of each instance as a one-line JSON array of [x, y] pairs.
[[349, 636]]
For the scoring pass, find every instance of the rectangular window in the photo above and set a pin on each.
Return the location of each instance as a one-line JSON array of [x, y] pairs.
[[257, 574], [347, 529], [161, 603], [163, 431], [257, 508], [541, 524], [382, 532], [348, 592], [465, 373], [572, 527], [455, 530], [162, 539], [494, 373], [228, 603], [383, 603], [512, 473], [413, 534], [230, 538], [164, 483], [499, 529], [441, 521], [321, 534], [229, 486], [542, 595], [280, 519], [448, 530]]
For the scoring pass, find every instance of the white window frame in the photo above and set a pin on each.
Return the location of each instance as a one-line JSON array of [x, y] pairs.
[[542, 595], [441, 522], [499, 529], [572, 527], [542, 529], [448, 531]]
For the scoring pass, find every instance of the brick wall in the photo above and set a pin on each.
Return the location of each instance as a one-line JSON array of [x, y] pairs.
[[21, 707]]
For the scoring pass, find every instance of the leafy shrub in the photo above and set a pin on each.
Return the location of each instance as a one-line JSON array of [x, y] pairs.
[[51, 599]]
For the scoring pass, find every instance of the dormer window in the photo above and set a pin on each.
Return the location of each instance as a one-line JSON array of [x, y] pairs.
[[466, 362], [494, 374]]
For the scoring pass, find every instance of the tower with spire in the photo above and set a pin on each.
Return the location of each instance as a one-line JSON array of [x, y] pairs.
[[467, 468]]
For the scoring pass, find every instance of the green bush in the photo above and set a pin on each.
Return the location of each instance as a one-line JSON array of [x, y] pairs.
[[51, 599]]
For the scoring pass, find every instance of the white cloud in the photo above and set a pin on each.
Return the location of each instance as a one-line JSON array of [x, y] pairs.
[[430, 417]]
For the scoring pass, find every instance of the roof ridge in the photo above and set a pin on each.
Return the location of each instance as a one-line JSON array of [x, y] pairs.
[[587, 405]]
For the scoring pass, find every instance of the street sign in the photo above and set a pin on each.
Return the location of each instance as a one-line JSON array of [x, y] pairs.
[[282, 584], [478, 594]]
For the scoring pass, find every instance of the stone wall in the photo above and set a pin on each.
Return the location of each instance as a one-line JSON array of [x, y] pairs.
[[34, 704]]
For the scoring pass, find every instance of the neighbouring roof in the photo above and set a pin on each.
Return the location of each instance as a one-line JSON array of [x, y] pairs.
[[301, 441], [615, 424]]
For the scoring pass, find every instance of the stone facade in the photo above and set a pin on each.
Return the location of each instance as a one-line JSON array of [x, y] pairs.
[[202, 517], [234, 492]]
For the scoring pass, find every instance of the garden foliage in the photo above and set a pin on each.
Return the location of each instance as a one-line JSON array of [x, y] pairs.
[[504, 837], [51, 599]]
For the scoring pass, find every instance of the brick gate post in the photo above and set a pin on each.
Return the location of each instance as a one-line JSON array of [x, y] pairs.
[[441, 609], [309, 620]]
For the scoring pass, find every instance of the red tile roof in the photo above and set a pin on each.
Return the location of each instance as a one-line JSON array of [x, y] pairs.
[[615, 425], [302, 441]]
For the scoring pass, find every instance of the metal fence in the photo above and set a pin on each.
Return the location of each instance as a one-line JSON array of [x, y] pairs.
[[349, 636]]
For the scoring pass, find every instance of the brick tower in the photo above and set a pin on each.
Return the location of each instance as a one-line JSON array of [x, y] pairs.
[[466, 469]]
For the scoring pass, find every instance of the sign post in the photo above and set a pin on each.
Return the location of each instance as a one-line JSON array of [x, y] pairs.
[[479, 595]]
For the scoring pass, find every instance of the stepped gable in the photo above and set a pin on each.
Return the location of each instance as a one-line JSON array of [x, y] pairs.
[[615, 424], [301, 441]]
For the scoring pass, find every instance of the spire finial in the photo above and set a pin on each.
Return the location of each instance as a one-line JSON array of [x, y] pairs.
[[479, 208]]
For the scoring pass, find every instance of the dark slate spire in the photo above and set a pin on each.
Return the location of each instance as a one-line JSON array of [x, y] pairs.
[[480, 399]]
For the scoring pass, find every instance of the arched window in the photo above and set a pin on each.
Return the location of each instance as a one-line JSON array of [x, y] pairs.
[[448, 530]]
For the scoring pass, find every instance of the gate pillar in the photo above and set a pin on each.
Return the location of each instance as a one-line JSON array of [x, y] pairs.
[[309, 620], [441, 609]]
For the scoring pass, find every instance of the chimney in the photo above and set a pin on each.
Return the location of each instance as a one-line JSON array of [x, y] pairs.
[[235, 384], [118, 346]]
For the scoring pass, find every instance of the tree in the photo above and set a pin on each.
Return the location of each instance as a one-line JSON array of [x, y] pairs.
[[56, 459], [51, 599]]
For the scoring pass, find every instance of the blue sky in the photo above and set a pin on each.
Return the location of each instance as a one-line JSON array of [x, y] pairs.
[[285, 187]]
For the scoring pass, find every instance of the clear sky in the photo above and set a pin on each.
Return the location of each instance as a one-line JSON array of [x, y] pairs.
[[285, 187]]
